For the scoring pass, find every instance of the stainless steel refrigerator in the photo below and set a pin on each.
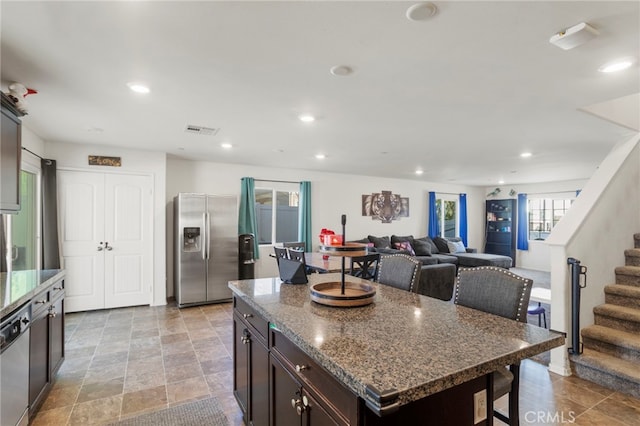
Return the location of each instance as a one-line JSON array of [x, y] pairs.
[[206, 247]]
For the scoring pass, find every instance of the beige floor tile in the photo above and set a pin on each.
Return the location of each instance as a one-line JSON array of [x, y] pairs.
[[61, 397], [189, 389], [144, 400], [95, 412], [55, 416], [98, 390], [183, 372], [138, 382]]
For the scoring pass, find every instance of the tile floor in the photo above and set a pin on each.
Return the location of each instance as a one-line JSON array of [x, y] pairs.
[[123, 362]]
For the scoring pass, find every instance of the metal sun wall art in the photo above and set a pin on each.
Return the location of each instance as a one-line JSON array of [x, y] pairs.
[[385, 206]]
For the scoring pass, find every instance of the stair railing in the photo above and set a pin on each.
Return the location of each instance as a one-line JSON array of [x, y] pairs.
[[576, 286]]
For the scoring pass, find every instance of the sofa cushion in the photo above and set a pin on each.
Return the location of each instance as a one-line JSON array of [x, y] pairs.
[[406, 246], [456, 247], [362, 241], [434, 248], [427, 260], [421, 247], [380, 242], [446, 258], [441, 243], [483, 259]]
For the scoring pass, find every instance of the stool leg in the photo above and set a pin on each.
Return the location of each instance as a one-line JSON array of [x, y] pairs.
[[545, 321], [544, 315]]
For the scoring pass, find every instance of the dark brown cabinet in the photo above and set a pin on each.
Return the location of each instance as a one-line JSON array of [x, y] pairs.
[[46, 352], [10, 151], [251, 364]]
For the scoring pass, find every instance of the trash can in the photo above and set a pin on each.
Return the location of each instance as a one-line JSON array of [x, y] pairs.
[[246, 257]]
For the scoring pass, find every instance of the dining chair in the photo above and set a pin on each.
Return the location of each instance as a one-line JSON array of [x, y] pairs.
[[296, 245], [365, 267], [281, 253], [400, 271], [499, 292]]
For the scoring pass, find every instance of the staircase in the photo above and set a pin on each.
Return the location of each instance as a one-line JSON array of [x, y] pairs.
[[611, 354]]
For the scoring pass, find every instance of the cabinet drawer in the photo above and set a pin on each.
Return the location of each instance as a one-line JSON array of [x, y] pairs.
[[39, 302], [56, 290], [327, 389], [249, 315]]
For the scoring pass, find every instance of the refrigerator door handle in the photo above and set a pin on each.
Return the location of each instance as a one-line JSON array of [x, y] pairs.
[[208, 235], [205, 224]]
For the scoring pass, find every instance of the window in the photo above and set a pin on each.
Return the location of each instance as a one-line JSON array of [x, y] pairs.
[[281, 222], [544, 213], [447, 210]]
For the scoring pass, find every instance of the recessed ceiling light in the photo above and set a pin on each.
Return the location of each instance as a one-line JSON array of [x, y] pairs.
[[500, 182], [421, 11], [321, 156], [306, 118], [341, 70], [617, 65], [419, 172], [226, 145], [526, 155], [138, 87]]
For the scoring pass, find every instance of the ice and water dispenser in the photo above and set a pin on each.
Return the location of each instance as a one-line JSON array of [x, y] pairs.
[[191, 240]]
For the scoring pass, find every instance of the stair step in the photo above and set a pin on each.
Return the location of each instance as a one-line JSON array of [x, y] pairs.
[[628, 275], [632, 257], [612, 342], [618, 317], [614, 373], [622, 295]]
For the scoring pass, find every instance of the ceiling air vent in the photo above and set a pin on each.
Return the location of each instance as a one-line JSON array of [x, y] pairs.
[[201, 130]]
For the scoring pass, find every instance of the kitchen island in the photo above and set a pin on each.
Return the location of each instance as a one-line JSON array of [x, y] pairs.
[[403, 355]]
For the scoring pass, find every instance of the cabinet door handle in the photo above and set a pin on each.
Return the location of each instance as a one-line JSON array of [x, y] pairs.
[[57, 288], [40, 302], [300, 368], [245, 316]]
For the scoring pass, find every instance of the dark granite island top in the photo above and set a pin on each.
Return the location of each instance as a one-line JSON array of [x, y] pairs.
[[404, 344], [18, 287]]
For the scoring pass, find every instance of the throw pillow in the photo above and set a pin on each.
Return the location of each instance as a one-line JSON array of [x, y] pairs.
[[442, 245], [399, 239], [456, 247], [380, 242], [434, 248], [406, 246], [421, 247]]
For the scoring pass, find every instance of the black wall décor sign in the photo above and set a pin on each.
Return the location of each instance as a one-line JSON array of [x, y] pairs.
[[99, 160]]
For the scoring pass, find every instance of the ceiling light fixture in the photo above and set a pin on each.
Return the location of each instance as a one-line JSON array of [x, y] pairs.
[[573, 36], [419, 172], [421, 11], [500, 182], [226, 145], [526, 155], [617, 65], [320, 156], [139, 88], [306, 118], [341, 70]]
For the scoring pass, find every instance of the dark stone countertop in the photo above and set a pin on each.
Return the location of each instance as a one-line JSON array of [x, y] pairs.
[[403, 342], [18, 287]]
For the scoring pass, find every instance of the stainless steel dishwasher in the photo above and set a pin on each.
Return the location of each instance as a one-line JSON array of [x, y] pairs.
[[14, 367]]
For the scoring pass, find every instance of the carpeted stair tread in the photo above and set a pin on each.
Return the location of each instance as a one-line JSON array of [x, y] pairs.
[[610, 366], [623, 290], [629, 275], [618, 312], [612, 336]]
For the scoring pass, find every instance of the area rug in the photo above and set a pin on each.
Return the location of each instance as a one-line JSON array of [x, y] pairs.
[[203, 412]]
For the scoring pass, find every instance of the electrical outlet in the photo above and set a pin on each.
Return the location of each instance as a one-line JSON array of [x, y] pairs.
[[479, 406]]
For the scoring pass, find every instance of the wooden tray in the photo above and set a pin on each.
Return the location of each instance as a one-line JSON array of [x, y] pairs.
[[347, 250], [355, 294]]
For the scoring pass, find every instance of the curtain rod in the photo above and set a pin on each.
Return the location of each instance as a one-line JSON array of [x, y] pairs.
[[278, 181], [448, 193], [33, 153], [550, 192]]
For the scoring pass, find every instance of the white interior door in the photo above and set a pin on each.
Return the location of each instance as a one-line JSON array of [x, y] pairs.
[[128, 225], [107, 244], [81, 217]]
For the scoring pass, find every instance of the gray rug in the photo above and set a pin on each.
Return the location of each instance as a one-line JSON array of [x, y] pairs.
[[204, 412]]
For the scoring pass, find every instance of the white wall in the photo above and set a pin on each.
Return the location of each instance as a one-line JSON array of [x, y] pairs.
[[331, 196], [538, 255], [74, 156]]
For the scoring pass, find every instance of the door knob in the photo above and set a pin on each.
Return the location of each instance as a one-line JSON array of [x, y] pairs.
[[107, 246], [100, 248]]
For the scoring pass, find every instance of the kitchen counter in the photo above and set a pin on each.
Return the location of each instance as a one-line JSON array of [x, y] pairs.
[[403, 347], [18, 287]]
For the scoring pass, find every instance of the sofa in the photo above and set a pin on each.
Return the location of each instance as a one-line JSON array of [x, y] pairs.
[[440, 258]]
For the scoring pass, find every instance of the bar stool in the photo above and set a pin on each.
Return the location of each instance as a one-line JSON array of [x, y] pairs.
[[539, 311]]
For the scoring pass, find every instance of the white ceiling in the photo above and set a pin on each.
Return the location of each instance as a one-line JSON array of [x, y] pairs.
[[460, 95]]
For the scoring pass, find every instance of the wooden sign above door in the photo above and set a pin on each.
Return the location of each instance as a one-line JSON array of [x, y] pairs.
[[99, 160]]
